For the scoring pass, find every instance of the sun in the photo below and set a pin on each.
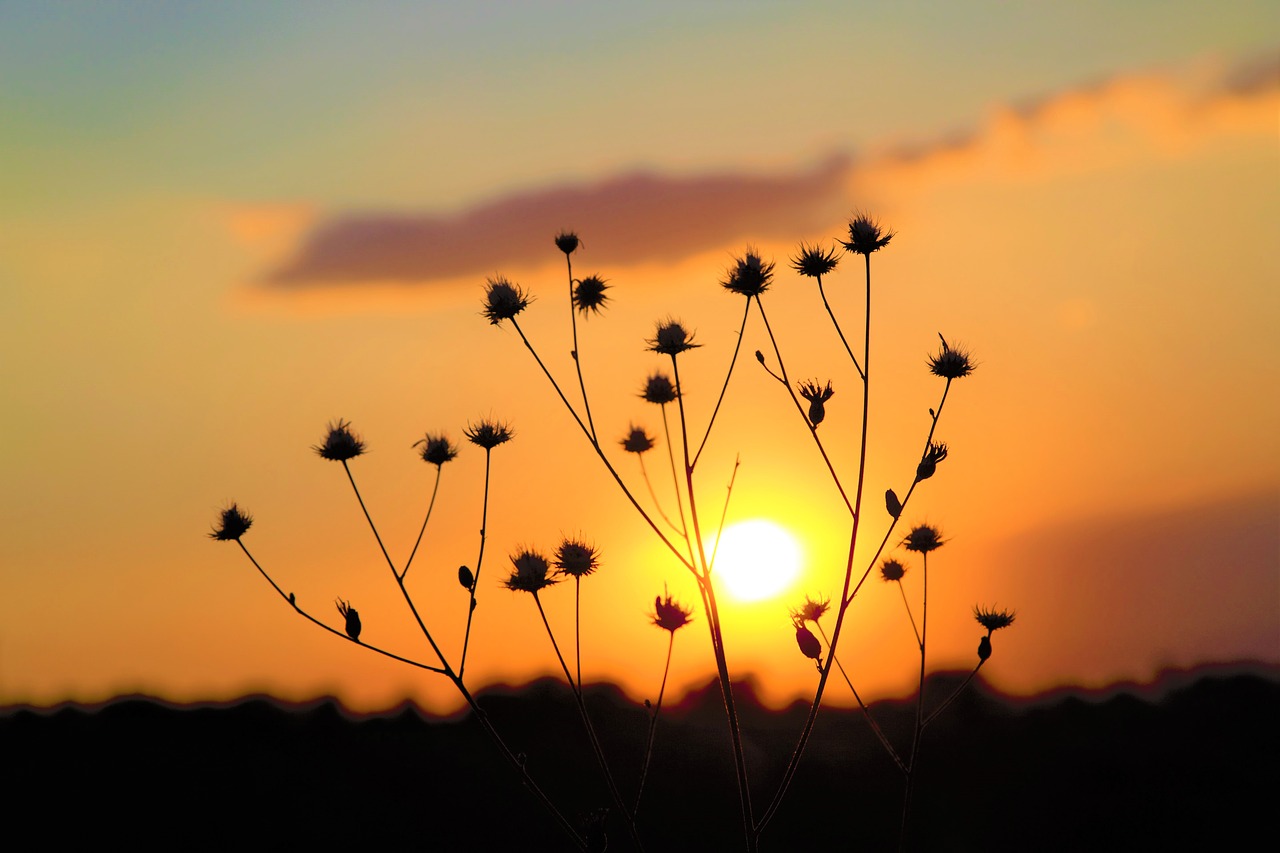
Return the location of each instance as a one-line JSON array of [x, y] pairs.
[[757, 559]]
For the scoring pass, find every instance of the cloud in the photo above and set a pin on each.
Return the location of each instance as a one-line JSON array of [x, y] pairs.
[[633, 218], [647, 217]]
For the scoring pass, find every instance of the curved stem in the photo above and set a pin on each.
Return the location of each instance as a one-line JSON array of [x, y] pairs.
[[430, 506], [644, 472], [907, 604], [372, 526], [591, 731], [653, 725], [733, 361], [475, 580], [839, 331], [866, 712], [929, 719], [577, 363]]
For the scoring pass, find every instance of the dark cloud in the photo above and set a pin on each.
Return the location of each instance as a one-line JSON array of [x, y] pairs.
[[630, 219]]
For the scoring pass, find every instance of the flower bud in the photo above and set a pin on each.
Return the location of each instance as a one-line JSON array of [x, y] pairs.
[[466, 578]]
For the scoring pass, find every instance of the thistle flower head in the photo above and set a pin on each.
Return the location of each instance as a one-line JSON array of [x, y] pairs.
[[992, 619], [749, 275], [923, 538], [503, 300], [811, 391], [340, 443], [671, 338], [951, 362], [577, 558], [815, 261], [567, 242], [529, 571], [589, 296], [637, 441], [866, 235], [670, 615], [488, 433], [659, 389], [233, 523], [436, 449], [812, 610], [933, 454], [892, 570]]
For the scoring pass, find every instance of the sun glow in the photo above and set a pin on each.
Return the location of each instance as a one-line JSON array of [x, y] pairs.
[[757, 559]]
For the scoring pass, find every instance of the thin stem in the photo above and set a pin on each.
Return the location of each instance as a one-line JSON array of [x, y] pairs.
[[907, 604], [813, 431], [577, 364], [653, 725], [839, 331], [728, 374], [475, 580], [790, 772], [577, 627], [675, 478], [591, 731], [644, 472], [434, 490], [929, 719], [919, 727], [595, 445], [342, 634], [866, 712], [372, 526], [717, 638], [724, 512]]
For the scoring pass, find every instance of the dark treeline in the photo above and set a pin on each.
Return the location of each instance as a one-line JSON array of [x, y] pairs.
[[1196, 765]]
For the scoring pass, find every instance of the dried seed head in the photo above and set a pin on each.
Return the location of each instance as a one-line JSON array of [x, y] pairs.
[[436, 449], [659, 389], [891, 503], [352, 618], [589, 296], [808, 643], [984, 647], [577, 558], [892, 570], [671, 338], [529, 571], [670, 615], [812, 610], [233, 523], [992, 619], [866, 236], [488, 433], [637, 441], [936, 452], [567, 242], [503, 300], [814, 261], [923, 538], [340, 443], [817, 397], [466, 578], [951, 362], [749, 275]]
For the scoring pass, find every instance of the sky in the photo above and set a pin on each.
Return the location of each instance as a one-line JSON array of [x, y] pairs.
[[224, 226]]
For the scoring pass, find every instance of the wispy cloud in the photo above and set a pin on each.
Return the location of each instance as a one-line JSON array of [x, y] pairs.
[[648, 217]]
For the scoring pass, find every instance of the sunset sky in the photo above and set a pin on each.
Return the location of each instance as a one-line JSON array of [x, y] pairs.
[[223, 226]]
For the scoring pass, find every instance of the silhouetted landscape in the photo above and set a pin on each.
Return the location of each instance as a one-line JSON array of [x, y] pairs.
[[1188, 761]]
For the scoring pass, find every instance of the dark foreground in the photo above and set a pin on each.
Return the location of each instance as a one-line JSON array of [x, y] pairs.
[[1192, 763]]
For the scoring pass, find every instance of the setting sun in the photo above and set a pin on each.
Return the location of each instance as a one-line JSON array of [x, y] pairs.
[[757, 559]]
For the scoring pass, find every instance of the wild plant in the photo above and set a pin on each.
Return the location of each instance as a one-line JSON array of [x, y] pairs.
[[684, 530]]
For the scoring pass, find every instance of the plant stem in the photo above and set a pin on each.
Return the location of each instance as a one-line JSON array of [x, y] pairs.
[[866, 712], [929, 719], [644, 472], [907, 604], [577, 363], [430, 506], [475, 580], [919, 727], [653, 725], [839, 331], [746, 311]]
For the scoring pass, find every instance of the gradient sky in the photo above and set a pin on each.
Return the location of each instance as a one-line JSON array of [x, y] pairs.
[[224, 225]]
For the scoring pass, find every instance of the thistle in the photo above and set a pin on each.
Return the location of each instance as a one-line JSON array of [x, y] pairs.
[[589, 296], [923, 538], [659, 389], [749, 276], [671, 338], [233, 523], [340, 443], [567, 242], [488, 434], [866, 236], [817, 398], [637, 441], [503, 300], [811, 610], [814, 261], [670, 615], [577, 558], [951, 362], [892, 570], [529, 572], [436, 449]]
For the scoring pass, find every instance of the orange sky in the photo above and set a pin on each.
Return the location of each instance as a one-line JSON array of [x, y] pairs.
[[1102, 243]]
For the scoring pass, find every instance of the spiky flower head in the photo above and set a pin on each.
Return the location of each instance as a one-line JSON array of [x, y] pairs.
[[659, 389], [503, 300], [436, 449], [577, 558], [671, 338], [951, 362], [817, 397], [233, 523], [935, 453], [567, 242], [892, 570], [488, 433], [749, 275], [923, 538], [670, 615], [529, 571], [637, 441], [340, 443], [866, 235], [589, 296], [814, 261], [812, 610], [992, 619]]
